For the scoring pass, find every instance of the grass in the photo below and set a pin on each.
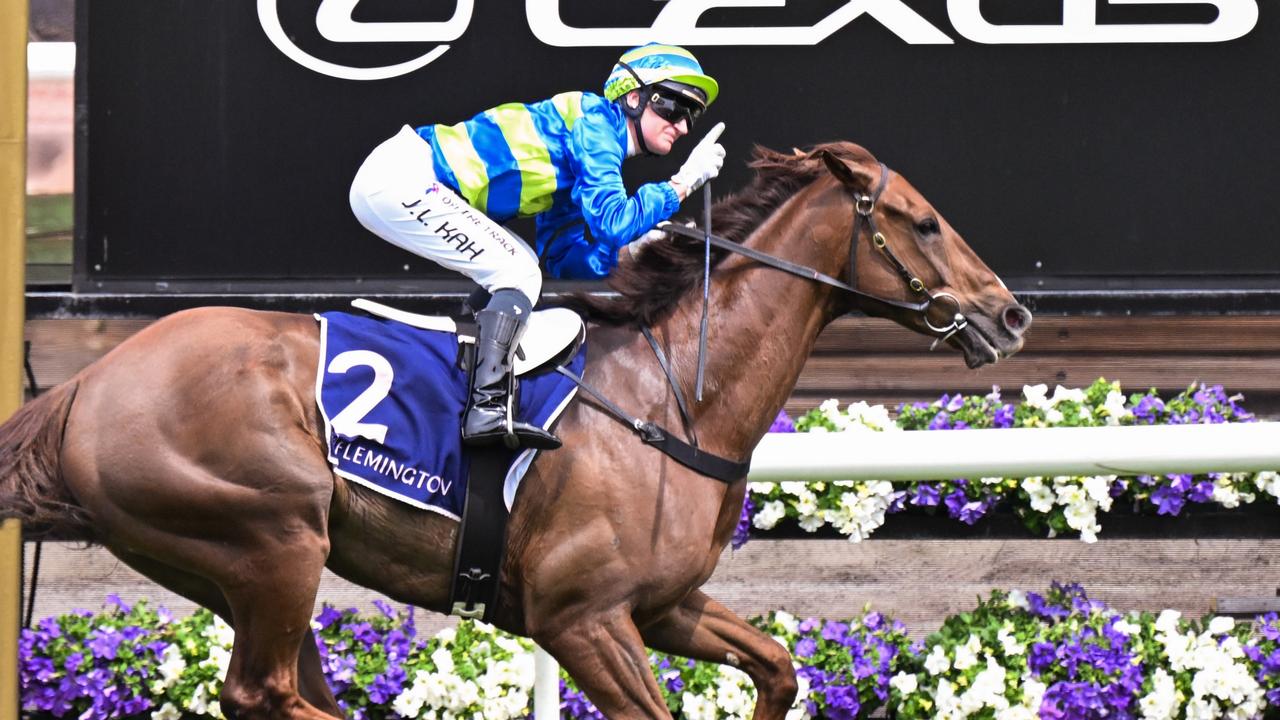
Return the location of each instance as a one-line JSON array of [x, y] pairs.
[[50, 227]]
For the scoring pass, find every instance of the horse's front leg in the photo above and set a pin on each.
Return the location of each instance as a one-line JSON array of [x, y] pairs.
[[702, 629], [605, 656]]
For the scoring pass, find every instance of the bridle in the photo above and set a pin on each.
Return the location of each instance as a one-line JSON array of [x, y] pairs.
[[864, 214], [728, 471]]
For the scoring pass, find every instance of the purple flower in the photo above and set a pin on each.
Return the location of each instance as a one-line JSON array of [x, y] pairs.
[[1168, 500], [1074, 701], [782, 423], [1201, 492], [1042, 609], [1180, 482], [1149, 409], [1003, 417], [104, 642], [941, 421], [742, 533], [1042, 657], [806, 647], [328, 616], [967, 511], [834, 631], [842, 702], [576, 706], [926, 495]]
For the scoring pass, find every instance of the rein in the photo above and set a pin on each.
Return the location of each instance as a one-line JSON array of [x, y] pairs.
[[864, 207], [714, 466]]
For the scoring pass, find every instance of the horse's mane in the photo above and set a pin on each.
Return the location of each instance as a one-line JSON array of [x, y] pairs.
[[649, 282]]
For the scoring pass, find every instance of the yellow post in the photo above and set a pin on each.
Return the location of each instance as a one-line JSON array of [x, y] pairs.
[[13, 191]]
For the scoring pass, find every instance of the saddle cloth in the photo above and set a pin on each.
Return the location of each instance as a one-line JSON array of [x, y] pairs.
[[392, 398]]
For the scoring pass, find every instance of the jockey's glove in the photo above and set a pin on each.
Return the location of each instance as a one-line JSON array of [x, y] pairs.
[[704, 163]]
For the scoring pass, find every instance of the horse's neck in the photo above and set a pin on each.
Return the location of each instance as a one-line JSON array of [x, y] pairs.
[[763, 325]]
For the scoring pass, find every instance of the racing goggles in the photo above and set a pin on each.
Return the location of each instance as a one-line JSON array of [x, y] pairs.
[[673, 106]]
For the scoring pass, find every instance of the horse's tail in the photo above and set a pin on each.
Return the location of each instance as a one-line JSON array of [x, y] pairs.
[[31, 485]]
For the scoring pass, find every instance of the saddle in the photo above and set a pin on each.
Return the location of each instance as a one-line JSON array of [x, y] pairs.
[[553, 338], [554, 335]]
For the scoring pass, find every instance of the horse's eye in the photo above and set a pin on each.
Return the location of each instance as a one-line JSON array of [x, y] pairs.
[[928, 226]]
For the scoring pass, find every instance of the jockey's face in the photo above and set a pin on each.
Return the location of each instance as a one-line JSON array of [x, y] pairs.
[[659, 134]]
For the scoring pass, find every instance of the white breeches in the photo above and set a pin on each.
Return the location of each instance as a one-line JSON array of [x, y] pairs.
[[396, 196]]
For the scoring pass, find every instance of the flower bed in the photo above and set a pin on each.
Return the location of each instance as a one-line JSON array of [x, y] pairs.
[[1015, 656], [1047, 505]]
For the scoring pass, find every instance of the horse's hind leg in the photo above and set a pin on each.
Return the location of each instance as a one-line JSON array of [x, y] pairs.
[[608, 660], [271, 603], [702, 629], [312, 685]]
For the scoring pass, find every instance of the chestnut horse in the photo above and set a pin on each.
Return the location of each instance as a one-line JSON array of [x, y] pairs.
[[194, 451]]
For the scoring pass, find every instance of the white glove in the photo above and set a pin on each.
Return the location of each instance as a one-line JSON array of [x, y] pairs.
[[704, 161]]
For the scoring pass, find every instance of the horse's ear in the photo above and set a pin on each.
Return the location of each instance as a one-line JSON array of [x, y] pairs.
[[846, 173]]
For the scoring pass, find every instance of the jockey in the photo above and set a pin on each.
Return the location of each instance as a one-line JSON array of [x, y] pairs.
[[444, 191]]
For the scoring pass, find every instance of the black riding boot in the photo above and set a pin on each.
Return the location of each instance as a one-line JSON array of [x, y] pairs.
[[491, 415]]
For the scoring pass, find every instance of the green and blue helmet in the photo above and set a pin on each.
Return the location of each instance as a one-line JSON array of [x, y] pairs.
[[658, 64]]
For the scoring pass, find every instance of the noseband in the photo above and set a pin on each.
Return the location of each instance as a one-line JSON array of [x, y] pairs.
[[864, 214]]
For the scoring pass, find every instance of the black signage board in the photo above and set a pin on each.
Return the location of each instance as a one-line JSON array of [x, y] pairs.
[[1092, 145]]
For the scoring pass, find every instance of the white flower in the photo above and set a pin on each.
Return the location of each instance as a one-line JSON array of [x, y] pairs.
[[1062, 394], [797, 489], [443, 660], [1162, 702], [1114, 407], [167, 712], [1221, 624], [1225, 493], [787, 621], [904, 682], [760, 488], [987, 689], [831, 410], [409, 703], [1018, 599], [447, 635], [1053, 416], [769, 515], [1098, 488], [1035, 395], [1126, 628], [171, 666], [199, 703], [937, 662], [1268, 482], [806, 504], [1200, 709], [220, 658], [219, 632], [875, 417], [810, 523], [1008, 642], [1032, 693], [967, 654], [1167, 622], [698, 707]]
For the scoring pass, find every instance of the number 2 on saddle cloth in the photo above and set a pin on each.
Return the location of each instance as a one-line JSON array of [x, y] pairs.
[[392, 396]]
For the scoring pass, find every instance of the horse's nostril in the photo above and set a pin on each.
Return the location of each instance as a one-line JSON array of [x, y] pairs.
[[1017, 318]]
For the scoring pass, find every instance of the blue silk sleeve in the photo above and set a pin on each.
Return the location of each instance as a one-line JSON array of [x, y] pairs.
[[597, 147]]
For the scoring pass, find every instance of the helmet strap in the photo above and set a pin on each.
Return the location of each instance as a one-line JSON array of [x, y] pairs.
[[636, 113]]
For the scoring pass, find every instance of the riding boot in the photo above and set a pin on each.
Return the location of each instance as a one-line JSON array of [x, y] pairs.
[[490, 416]]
